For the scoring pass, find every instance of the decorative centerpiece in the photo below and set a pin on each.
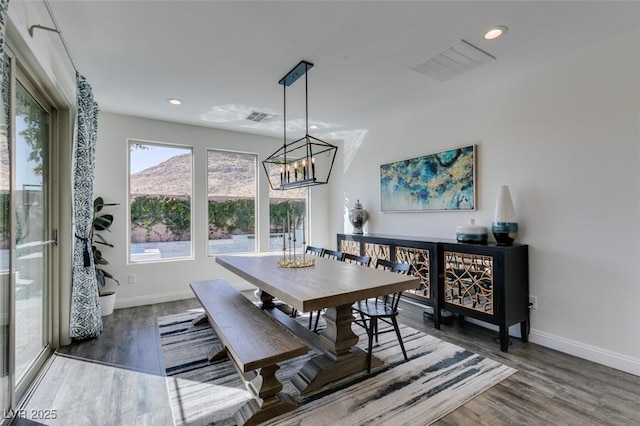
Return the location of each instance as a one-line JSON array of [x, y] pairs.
[[358, 217], [297, 262], [289, 257], [471, 233]]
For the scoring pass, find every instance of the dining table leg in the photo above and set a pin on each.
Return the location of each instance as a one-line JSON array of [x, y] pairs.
[[265, 299], [341, 358]]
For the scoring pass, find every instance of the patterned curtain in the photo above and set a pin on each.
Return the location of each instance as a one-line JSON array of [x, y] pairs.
[[86, 321], [4, 5], [4, 105]]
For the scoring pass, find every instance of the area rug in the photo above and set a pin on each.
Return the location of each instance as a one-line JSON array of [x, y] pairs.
[[438, 378]]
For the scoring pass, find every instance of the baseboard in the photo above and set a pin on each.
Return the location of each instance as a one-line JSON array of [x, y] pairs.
[[591, 353], [130, 302], [581, 350]]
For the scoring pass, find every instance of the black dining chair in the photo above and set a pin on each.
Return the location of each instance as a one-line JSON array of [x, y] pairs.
[[358, 260], [333, 254], [384, 309], [347, 258], [329, 254], [314, 251]]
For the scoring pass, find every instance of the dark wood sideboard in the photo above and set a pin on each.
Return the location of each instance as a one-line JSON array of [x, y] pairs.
[[487, 282]]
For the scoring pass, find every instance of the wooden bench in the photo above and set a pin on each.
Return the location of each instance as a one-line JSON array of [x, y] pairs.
[[255, 342]]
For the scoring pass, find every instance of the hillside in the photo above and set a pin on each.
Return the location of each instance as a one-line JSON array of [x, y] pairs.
[[228, 176]]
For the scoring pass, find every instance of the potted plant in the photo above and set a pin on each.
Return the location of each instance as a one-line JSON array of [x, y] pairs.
[[102, 222]]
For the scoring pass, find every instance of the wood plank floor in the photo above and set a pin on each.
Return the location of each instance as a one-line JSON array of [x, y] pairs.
[[117, 379]]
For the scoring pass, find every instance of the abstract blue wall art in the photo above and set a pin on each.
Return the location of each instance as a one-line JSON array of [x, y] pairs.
[[440, 181]]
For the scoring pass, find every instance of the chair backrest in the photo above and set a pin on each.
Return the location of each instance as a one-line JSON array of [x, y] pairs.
[[333, 254], [393, 300], [315, 251], [400, 267], [359, 260]]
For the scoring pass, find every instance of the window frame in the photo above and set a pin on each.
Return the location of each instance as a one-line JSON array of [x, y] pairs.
[[192, 251]]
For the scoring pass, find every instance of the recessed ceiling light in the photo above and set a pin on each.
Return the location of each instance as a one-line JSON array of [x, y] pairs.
[[174, 101], [313, 126], [495, 32]]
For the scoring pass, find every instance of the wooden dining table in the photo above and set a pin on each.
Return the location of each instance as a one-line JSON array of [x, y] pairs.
[[328, 284]]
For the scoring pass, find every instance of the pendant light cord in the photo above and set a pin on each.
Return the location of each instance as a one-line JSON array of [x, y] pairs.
[[284, 90]]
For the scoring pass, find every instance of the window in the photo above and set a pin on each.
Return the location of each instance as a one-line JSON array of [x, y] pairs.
[[159, 201], [284, 206], [231, 193]]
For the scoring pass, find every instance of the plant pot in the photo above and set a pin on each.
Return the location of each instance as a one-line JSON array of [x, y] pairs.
[[107, 302]]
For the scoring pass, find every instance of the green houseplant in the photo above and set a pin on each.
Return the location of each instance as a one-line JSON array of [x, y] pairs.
[[102, 223]]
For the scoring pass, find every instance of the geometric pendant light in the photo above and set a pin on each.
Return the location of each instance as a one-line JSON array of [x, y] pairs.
[[306, 161]]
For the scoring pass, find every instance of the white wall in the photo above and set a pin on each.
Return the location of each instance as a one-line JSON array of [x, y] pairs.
[[169, 280], [565, 137]]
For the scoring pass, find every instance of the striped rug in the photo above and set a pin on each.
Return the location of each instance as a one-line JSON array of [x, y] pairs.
[[438, 378]]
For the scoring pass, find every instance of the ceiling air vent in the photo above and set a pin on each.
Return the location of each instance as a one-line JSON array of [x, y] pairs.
[[457, 59], [259, 117]]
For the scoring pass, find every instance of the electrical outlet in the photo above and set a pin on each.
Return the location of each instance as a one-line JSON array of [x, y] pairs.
[[533, 302], [132, 279]]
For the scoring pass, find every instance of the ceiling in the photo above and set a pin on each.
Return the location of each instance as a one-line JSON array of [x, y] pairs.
[[224, 59]]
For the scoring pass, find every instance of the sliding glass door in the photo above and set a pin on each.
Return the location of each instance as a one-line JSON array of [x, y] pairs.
[[5, 239], [25, 234], [32, 233]]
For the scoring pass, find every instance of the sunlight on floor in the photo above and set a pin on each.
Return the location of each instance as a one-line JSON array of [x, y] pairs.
[[184, 395], [81, 392]]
